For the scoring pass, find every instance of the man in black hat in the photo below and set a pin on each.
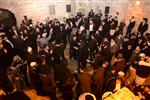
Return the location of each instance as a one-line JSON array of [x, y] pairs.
[[143, 27], [130, 26], [91, 14]]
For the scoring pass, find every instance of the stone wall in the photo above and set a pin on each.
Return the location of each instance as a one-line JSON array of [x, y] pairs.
[[40, 9], [36, 9]]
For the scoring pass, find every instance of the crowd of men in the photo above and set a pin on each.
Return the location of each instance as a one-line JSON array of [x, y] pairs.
[[33, 56]]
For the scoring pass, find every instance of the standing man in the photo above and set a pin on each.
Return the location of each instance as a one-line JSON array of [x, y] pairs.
[[143, 27], [98, 80], [130, 26], [91, 14]]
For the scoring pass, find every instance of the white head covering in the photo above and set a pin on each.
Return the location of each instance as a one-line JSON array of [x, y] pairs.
[[29, 49], [88, 61], [142, 55], [33, 64], [44, 35], [120, 73]]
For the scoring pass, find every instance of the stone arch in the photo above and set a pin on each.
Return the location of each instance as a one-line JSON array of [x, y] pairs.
[[7, 19]]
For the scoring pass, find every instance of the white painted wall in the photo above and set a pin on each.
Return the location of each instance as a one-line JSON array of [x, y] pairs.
[[39, 9]]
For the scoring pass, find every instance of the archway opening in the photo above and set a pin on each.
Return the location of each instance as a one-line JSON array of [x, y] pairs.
[[7, 20]]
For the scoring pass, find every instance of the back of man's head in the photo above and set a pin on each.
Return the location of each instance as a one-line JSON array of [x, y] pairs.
[[89, 97]]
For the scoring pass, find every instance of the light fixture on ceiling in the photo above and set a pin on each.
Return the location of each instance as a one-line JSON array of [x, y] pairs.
[[138, 2]]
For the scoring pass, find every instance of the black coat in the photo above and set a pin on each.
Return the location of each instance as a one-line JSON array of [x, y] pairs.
[[131, 25], [91, 14], [142, 27], [48, 57]]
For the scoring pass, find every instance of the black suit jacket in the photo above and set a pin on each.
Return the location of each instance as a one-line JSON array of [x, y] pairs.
[[142, 27], [131, 25]]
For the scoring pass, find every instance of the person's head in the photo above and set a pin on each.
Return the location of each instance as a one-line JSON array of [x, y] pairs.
[[116, 18], [142, 56], [30, 26], [74, 37], [133, 36], [25, 17], [119, 56], [112, 31], [91, 22], [46, 47], [13, 28], [5, 37], [25, 31], [123, 20], [16, 58], [148, 59], [121, 74], [43, 60], [1, 45], [29, 49], [113, 41], [37, 29], [147, 88], [145, 20], [33, 65], [120, 35], [100, 28], [82, 69], [132, 17], [87, 96], [129, 46], [105, 64], [138, 49], [100, 11], [44, 35], [74, 30]]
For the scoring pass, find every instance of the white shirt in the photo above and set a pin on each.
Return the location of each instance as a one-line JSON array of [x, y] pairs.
[[91, 27]]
